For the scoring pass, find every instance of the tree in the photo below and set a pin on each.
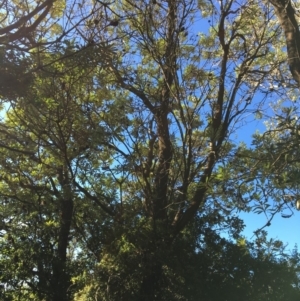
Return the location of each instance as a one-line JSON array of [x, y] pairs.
[[39, 28], [19, 22], [116, 160], [46, 146], [218, 270], [288, 15], [198, 122]]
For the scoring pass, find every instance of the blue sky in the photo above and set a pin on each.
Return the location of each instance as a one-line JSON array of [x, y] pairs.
[[284, 229]]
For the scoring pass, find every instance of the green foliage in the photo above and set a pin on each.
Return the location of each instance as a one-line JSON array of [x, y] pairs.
[[120, 179]]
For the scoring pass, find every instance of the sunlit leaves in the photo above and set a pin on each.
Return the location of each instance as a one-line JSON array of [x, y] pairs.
[[119, 161]]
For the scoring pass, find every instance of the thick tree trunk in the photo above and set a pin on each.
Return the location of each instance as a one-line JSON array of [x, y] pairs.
[[150, 287], [61, 279]]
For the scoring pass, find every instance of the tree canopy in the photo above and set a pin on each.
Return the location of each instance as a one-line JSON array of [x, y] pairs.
[[121, 175]]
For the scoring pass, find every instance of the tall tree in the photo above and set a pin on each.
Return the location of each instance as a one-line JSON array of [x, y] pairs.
[[47, 140], [122, 143], [193, 90]]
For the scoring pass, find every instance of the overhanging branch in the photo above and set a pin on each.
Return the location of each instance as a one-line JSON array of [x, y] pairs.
[[286, 15]]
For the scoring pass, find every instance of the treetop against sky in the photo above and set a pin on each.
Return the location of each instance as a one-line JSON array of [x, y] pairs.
[[118, 146]]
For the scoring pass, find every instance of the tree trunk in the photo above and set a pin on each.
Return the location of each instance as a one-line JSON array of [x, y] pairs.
[[151, 283], [286, 15], [61, 278]]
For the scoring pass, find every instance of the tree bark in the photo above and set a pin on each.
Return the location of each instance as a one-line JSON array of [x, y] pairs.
[[286, 16], [18, 30], [61, 279], [151, 283]]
